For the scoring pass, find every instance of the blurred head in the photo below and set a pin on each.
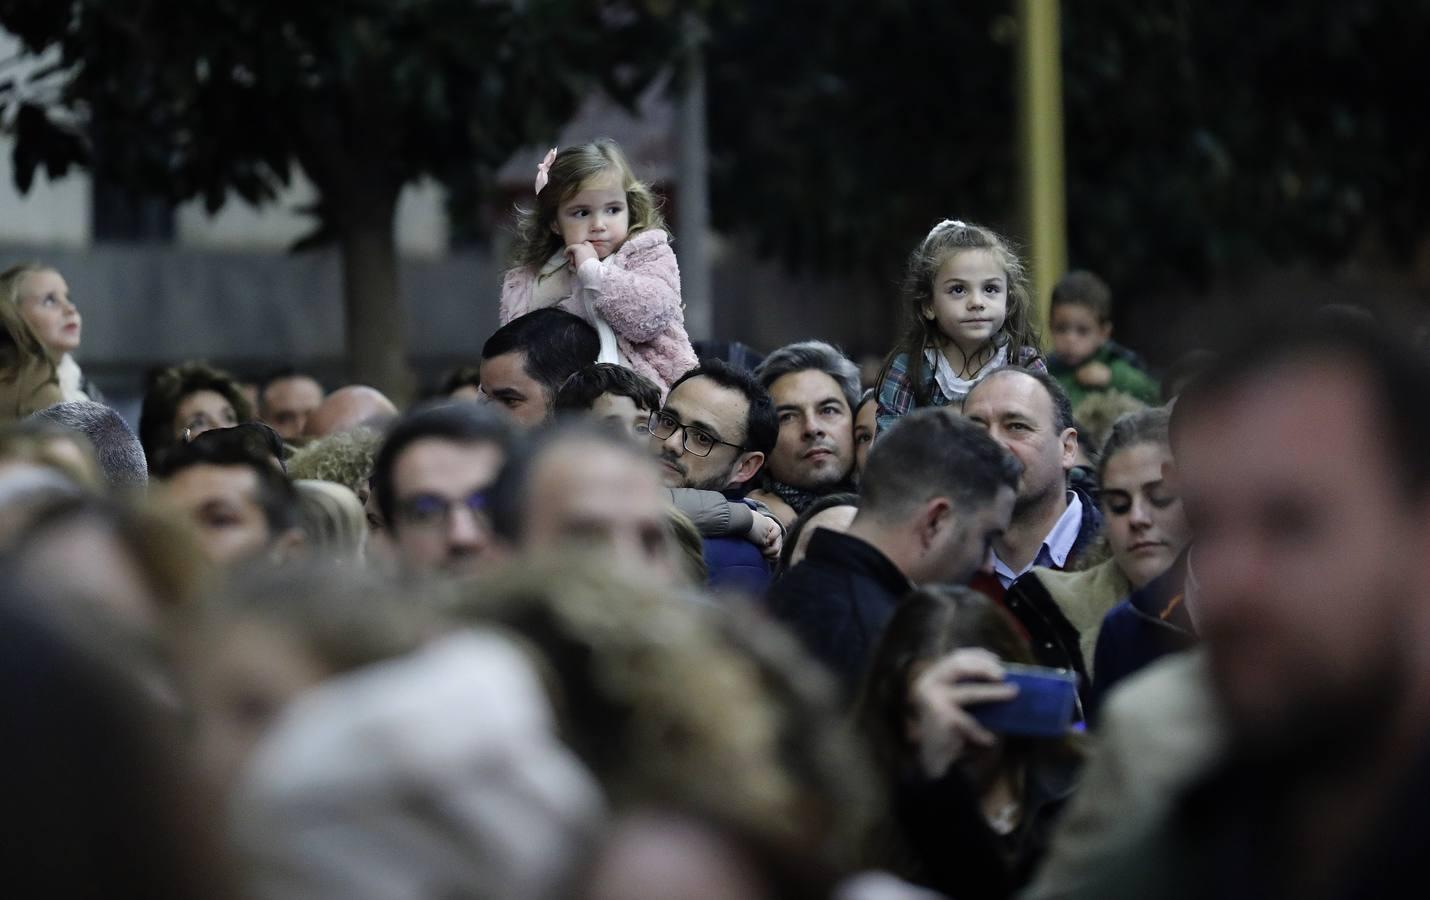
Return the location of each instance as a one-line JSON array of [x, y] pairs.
[[349, 408], [27, 488], [462, 383], [632, 663], [43, 300], [344, 458], [286, 400], [688, 549], [131, 562], [333, 520], [716, 429], [1081, 316], [527, 360], [866, 425], [251, 438], [1141, 515], [1098, 411], [186, 400], [815, 390], [431, 482], [115, 448], [271, 635], [1301, 464], [40, 443], [942, 489], [98, 782], [241, 507], [613, 395], [664, 855], [591, 194], [581, 487], [1029, 414], [835, 512]]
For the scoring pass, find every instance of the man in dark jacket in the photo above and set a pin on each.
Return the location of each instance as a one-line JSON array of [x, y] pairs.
[[713, 434], [1053, 524], [936, 493]]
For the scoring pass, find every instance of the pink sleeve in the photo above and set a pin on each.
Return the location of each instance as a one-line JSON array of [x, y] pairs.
[[516, 290], [640, 290]]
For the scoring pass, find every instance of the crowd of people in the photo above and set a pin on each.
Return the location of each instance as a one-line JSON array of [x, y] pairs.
[[608, 617]]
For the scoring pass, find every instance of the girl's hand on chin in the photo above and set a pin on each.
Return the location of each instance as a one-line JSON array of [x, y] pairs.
[[579, 253]]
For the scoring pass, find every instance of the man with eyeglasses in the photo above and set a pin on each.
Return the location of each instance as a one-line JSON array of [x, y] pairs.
[[430, 480], [711, 438]]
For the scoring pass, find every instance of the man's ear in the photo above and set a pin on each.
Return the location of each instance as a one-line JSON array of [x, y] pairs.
[[934, 517], [748, 467], [1069, 440], [1105, 331]]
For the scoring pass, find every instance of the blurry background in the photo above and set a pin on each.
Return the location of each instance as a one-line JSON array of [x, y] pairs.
[[328, 184]]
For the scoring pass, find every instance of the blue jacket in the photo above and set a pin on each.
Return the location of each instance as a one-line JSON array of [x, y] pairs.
[[1151, 623], [735, 564]]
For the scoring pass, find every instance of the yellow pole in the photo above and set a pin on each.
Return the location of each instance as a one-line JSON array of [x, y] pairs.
[[1040, 115]]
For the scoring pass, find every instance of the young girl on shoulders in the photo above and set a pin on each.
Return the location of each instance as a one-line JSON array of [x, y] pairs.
[[595, 244], [42, 298], [967, 293]]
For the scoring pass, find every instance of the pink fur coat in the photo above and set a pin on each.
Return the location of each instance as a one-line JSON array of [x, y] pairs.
[[636, 291]]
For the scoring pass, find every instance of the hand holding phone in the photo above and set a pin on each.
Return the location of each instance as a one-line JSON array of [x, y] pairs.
[[1044, 707], [941, 725]]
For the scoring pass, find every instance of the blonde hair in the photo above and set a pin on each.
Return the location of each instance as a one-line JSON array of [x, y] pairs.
[[572, 170], [13, 277], [949, 238], [345, 458], [332, 519], [649, 693], [28, 378], [686, 541], [35, 443]]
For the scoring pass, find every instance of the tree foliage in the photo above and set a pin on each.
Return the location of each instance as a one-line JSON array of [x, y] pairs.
[[194, 99], [1200, 137]]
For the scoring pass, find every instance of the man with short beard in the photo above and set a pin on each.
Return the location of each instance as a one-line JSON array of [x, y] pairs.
[[1302, 464], [711, 438]]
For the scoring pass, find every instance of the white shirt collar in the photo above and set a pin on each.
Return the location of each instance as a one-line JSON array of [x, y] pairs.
[[949, 384], [1056, 547]]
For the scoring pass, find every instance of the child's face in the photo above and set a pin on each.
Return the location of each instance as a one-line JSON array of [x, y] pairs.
[[621, 412], [45, 306], [970, 298], [597, 214], [1077, 334]]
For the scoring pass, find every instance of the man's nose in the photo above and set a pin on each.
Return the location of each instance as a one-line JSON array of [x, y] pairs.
[[463, 529]]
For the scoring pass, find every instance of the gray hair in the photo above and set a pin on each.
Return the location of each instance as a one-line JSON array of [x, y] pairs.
[[813, 355], [120, 455]]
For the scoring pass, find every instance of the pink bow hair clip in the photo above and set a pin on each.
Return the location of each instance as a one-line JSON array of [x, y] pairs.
[[543, 169]]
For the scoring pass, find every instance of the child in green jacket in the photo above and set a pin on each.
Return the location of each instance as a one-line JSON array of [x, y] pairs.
[[1085, 359]]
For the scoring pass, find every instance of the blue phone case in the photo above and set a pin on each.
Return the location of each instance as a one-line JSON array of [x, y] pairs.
[[1044, 707]]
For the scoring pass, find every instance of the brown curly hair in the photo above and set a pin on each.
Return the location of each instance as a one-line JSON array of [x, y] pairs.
[[573, 169], [948, 238]]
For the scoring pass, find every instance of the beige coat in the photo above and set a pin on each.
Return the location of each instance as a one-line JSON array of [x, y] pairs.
[[1160, 730], [1085, 598]]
